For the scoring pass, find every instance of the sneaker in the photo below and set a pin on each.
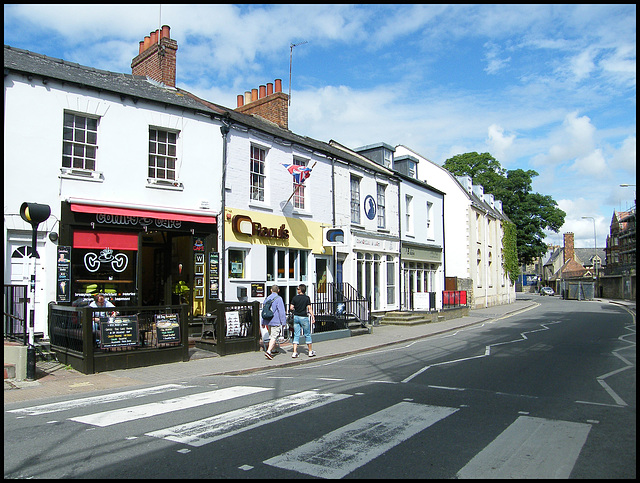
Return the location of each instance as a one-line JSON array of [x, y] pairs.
[[294, 355], [312, 354], [268, 355]]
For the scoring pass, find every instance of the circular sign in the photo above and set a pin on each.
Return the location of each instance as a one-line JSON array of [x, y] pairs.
[[370, 207]]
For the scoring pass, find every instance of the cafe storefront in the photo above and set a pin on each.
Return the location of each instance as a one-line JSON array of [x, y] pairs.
[[263, 250], [137, 256]]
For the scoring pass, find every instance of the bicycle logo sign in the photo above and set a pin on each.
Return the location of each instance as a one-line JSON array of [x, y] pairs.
[[118, 262]]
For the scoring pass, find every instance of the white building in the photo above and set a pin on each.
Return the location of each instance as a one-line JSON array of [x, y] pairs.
[[420, 228], [366, 206], [131, 169], [473, 231]]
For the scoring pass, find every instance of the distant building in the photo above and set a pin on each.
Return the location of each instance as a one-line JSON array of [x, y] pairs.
[[619, 279]]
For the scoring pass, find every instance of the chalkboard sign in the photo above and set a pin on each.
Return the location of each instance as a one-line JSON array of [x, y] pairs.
[[168, 328], [119, 332]]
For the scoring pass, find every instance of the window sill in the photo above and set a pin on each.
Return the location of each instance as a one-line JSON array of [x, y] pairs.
[[82, 175], [259, 205], [164, 185]]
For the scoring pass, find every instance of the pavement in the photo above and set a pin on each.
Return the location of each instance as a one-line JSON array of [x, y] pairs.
[[54, 379]]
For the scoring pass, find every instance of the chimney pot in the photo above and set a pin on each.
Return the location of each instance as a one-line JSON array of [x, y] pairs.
[[263, 92], [254, 95], [278, 85], [153, 37], [240, 100], [247, 97], [166, 32], [141, 49], [147, 42], [269, 88]]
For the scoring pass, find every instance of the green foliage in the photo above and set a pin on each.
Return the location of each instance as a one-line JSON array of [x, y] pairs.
[[510, 251], [532, 213]]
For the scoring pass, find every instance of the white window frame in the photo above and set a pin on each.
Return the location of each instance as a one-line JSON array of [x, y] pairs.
[[257, 176], [355, 199], [162, 165], [382, 218]]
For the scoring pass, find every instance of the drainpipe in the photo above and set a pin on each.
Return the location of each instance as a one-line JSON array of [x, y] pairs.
[[224, 130], [400, 277]]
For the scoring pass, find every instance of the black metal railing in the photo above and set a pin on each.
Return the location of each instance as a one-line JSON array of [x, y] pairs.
[[336, 304], [15, 313]]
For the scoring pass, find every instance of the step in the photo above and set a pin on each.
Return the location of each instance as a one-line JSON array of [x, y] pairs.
[[405, 318]]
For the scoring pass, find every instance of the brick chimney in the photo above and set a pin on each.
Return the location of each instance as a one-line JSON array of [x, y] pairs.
[[157, 57], [569, 253], [270, 104]]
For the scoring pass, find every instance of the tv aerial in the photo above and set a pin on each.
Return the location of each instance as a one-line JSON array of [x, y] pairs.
[[290, 60]]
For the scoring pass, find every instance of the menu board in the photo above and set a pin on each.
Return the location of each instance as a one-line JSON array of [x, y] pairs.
[[119, 332], [168, 328], [233, 323], [64, 274]]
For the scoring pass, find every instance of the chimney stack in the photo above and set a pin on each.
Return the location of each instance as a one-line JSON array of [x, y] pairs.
[[157, 57], [569, 252], [264, 102]]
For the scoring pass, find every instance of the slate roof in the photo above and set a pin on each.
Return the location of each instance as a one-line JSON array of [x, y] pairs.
[[141, 88]]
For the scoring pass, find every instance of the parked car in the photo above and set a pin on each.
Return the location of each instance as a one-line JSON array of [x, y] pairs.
[[546, 291]]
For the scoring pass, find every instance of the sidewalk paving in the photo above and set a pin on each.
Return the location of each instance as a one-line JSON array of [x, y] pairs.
[[54, 379]]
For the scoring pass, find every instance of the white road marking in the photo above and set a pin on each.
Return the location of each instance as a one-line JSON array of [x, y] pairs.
[[340, 452], [88, 401], [204, 431], [487, 351], [107, 418], [530, 448]]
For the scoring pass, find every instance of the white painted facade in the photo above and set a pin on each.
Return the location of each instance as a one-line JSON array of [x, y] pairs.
[[34, 109], [267, 260], [473, 235], [369, 260]]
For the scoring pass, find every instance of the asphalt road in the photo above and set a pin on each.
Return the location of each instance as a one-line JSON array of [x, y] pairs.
[[547, 393]]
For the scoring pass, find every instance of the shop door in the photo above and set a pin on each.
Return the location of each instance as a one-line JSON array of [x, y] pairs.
[[322, 274]]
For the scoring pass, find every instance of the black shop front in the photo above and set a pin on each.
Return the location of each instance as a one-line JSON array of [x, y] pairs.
[[137, 256]]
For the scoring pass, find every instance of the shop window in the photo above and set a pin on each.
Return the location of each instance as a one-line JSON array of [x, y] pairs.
[[391, 281], [108, 271], [236, 264]]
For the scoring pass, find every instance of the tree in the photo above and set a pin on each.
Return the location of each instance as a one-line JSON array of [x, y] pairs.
[[532, 213]]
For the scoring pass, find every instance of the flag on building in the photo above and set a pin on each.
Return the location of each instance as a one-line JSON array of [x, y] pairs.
[[299, 173]]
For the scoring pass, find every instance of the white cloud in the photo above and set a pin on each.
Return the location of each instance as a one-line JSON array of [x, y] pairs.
[[499, 143], [591, 165]]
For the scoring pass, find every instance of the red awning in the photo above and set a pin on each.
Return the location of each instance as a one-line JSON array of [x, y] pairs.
[[105, 239], [162, 215]]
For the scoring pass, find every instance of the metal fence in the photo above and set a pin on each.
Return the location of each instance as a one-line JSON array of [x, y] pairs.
[[15, 313], [454, 298]]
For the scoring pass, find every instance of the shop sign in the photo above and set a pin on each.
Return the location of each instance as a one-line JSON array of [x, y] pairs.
[[118, 261], [243, 225], [136, 221], [369, 207]]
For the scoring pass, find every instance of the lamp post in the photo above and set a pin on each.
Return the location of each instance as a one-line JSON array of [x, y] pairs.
[[595, 249], [627, 185]]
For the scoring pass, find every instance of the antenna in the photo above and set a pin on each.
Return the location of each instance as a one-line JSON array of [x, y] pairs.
[[290, 59]]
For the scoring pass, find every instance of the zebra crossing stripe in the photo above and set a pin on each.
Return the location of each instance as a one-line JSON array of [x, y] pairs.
[[530, 448], [340, 452], [204, 431], [108, 418], [88, 401]]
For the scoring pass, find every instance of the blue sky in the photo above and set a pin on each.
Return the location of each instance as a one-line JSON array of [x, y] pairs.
[[545, 87]]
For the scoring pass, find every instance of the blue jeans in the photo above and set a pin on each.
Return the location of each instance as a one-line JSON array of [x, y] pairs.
[[301, 323]]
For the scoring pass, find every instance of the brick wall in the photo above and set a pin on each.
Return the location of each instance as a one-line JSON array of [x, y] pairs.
[[158, 62], [274, 108]]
